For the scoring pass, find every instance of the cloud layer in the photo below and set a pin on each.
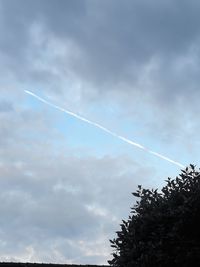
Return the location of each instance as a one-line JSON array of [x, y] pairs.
[[132, 66]]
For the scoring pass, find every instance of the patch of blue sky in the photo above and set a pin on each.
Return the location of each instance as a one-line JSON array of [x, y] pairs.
[[33, 104], [80, 134], [99, 143]]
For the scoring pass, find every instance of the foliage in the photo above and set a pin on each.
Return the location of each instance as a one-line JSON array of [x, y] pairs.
[[164, 227]]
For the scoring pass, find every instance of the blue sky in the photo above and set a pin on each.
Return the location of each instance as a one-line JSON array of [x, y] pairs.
[[130, 66]]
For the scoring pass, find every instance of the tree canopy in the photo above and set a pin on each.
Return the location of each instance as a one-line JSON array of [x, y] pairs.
[[163, 228]]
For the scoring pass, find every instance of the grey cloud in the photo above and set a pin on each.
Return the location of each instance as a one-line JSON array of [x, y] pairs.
[[17, 20], [128, 51], [36, 211], [50, 200], [116, 39], [5, 106]]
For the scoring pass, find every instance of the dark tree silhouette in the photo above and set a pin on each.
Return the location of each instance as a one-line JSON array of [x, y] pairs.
[[164, 227]]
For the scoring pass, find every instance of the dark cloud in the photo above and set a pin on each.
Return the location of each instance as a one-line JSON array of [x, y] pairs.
[[115, 40], [143, 56], [147, 51]]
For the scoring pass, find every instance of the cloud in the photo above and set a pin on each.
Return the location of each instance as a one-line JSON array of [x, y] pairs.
[[5, 106], [150, 54], [111, 50], [132, 66], [58, 207]]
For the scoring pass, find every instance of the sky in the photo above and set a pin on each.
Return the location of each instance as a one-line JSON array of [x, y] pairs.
[[130, 66]]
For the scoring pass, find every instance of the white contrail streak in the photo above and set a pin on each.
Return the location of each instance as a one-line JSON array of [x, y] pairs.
[[104, 129]]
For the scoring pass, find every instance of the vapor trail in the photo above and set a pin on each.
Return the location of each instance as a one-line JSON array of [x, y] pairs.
[[104, 129]]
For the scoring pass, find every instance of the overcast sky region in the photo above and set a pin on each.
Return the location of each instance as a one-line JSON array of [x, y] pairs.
[[131, 66]]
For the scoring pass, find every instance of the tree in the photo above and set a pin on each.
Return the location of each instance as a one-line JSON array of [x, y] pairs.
[[164, 227]]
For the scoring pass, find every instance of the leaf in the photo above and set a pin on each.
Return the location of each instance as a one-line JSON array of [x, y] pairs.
[[136, 194]]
